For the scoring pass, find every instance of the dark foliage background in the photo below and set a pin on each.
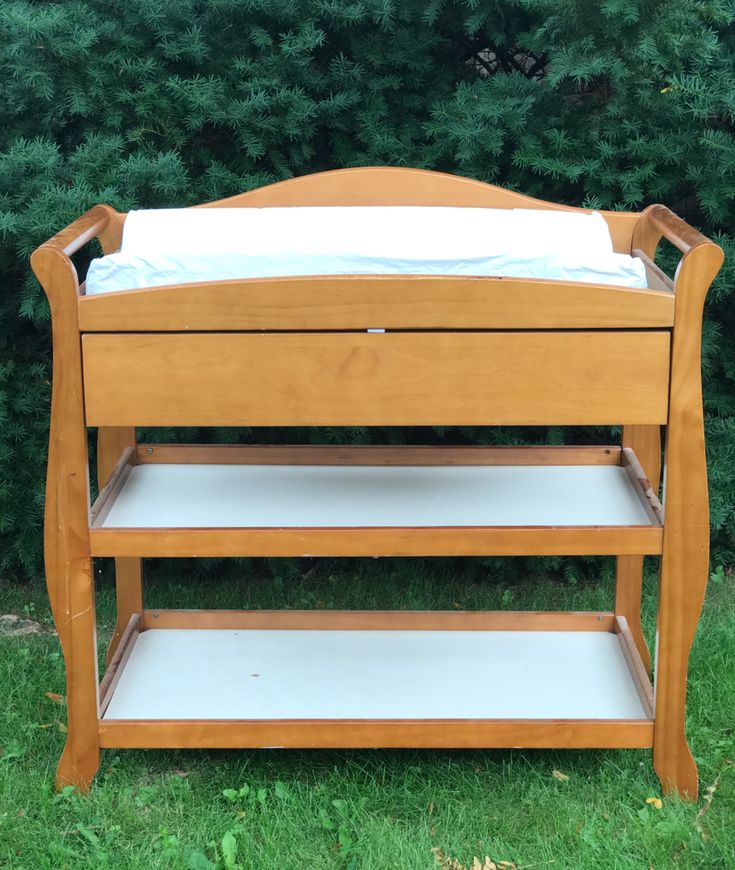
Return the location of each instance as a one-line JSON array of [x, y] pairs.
[[174, 102]]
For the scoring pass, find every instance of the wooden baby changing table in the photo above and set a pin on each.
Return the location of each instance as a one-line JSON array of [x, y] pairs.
[[397, 350]]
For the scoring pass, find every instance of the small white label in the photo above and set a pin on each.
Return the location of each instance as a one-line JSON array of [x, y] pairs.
[[376, 330]]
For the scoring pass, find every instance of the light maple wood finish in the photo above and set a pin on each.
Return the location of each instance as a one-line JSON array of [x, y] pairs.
[[641, 484], [645, 442], [111, 443], [332, 454], [380, 620], [377, 541], [115, 482], [117, 661], [657, 278], [91, 225], [377, 734], [685, 559], [659, 222], [377, 301], [638, 670], [67, 555], [398, 379], [110, 235]]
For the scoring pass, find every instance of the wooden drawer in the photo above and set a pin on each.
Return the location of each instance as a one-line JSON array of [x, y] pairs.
[[371, 379]]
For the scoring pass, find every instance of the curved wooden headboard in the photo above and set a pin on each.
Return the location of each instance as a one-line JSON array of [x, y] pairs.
[[384, 185]]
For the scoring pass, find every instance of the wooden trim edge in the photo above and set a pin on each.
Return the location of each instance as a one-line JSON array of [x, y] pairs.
[[379, 541], [642, 485], [661, 280], [117, 662], [635, 665], [318, 454], [110, 491], [377, 734], [379, 620]]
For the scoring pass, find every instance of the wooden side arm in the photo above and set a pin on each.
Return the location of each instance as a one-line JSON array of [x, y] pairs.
[[657, 222], [82, 230], [100, 222]]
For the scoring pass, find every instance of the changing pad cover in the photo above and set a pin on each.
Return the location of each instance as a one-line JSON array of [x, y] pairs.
[[179, 246]]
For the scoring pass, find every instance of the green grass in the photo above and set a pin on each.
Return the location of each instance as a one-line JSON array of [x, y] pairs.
[[372, 809]]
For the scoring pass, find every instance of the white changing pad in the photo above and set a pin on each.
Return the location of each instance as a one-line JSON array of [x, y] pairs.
[[179, 246]]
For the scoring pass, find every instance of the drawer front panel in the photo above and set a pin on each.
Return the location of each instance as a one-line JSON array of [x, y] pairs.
[[373, 379]]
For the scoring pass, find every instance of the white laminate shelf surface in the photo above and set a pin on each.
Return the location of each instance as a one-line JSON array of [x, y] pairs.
[[341, 496], [375, 674]]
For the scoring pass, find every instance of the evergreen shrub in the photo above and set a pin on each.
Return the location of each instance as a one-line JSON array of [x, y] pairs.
[[174, 102]]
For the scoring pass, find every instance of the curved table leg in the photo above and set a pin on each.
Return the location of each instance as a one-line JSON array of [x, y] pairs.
[[111, 441], [685, 558], [66, 523], [645, 441]]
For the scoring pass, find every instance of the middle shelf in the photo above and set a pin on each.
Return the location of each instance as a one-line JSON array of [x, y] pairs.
[[187, 500]]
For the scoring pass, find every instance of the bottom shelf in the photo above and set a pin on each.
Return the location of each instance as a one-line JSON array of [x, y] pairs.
[[170, 680]]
